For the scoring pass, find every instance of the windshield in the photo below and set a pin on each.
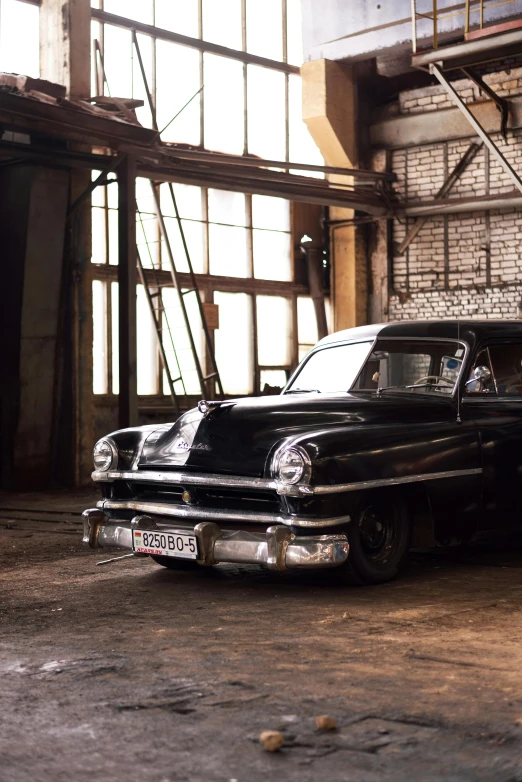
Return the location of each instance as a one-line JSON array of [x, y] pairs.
[[413, 366], [330, 369]]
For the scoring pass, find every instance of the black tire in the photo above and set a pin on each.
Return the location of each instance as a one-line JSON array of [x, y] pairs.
[[379, 536], [175, 564]]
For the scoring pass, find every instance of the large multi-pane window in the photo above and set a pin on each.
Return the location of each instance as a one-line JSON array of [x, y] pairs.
[[240, 245]]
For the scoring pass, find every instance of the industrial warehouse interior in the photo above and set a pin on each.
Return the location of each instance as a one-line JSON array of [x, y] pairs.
[[261, 390]]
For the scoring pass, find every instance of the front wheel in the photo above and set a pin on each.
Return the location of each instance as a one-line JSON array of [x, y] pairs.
[[379, 538], [172, 563]]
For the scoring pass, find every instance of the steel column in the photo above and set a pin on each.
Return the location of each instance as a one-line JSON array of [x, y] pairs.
[[495, 151], [127, 278]]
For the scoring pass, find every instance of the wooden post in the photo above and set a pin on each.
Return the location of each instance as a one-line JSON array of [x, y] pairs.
[[65, 58]]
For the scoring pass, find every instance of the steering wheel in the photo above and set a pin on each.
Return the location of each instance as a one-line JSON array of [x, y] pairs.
[[433, 377]]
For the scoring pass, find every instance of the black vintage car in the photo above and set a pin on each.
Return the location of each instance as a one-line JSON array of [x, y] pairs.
[[385, 436]]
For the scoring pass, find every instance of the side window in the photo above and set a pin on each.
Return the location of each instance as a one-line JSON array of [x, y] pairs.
[[506, 364], [481, 380]]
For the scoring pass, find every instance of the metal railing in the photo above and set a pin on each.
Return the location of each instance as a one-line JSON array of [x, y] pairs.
[[468, 10]]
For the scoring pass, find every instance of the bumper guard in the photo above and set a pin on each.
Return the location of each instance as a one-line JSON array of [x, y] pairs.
[[277, 548]]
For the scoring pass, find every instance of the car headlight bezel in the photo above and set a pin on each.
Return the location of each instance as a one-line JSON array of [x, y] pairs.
[[292, 465], [111, 455]]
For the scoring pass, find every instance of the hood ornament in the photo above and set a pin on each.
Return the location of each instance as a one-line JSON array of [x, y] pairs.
[[204, 407]]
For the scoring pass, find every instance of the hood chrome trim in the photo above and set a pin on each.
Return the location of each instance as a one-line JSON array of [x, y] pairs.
[[181, 478], [266, 484]]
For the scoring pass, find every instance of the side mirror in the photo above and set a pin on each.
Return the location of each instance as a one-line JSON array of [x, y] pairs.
[[480, 373]]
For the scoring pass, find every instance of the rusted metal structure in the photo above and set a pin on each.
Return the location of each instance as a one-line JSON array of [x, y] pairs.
[[53, 127]]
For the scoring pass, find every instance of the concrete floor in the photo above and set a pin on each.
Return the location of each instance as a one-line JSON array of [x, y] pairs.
[[129, 672]]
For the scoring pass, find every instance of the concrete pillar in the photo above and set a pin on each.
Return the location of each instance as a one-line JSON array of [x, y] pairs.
[[65, 59], [330, 113], [65, 45]]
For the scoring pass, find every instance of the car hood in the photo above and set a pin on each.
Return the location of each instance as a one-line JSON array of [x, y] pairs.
[[239, 436]]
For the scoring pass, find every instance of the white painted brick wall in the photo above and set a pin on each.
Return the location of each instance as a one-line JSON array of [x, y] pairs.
[[505, 83], [420, 275], [483, 303]]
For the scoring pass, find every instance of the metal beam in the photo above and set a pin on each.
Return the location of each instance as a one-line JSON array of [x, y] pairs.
[[163, 278], [460, 55], [127, 278], [511, 200], [443, 192], [433, 127], [501, 103], [495, 151], [100, 180], [244, 161], [194, 43]]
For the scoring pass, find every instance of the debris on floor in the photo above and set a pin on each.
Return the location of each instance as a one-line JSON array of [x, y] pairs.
[[324, 722], [272, 740]]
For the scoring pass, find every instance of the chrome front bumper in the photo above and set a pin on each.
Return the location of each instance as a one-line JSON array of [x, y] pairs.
[[278, 547]]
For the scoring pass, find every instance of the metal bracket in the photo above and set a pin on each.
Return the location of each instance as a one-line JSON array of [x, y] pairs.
[[207, 533], [502, 103], [278, 538], [92, 520]]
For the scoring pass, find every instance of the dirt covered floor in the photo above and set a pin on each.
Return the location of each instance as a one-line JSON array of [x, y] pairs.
[[127, 671]]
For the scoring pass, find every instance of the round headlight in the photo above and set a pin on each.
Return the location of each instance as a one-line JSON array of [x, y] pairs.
[[104, 455], [291, 466]]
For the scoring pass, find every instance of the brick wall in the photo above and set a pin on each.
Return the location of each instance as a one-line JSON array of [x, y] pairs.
[[459, 264]]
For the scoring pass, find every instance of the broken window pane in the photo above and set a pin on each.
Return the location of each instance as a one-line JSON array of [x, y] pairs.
[[228, 251], [265, 28], [180, 16], [222, 22], [224, 104], [274, 331], [235, 329], [146, 347], [177, 80], [272, 255], [99, 338], [266, 113]]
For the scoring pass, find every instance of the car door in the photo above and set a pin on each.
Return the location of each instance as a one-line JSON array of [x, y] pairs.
[[495, 404]]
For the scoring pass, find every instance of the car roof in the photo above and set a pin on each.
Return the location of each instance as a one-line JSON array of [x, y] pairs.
[[471, 331]]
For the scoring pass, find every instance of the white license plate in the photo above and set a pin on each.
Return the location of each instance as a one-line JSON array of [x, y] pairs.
[[165, 544]]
